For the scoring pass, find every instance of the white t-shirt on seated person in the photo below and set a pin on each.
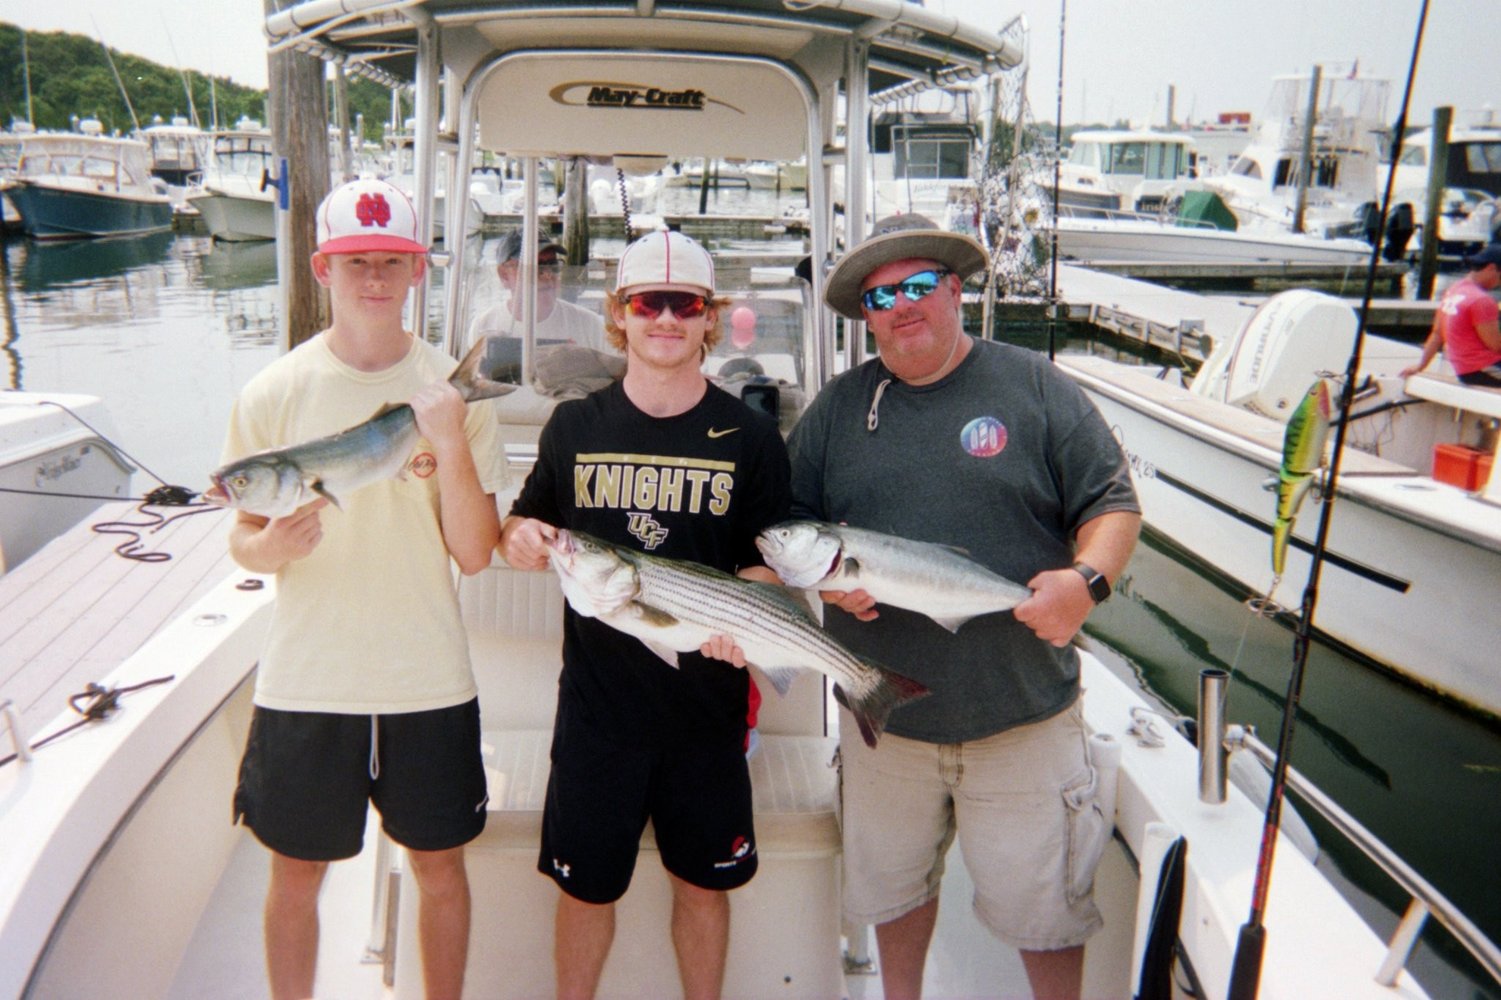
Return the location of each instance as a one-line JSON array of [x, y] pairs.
[[566, 323]]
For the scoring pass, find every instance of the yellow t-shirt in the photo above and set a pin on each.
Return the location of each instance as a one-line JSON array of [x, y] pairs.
[[369, 622]]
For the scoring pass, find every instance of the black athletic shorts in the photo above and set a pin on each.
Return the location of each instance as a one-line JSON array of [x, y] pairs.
[[305, 780], [601, 793]]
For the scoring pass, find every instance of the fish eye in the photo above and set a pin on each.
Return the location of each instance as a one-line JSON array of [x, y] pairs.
[[239, 481]]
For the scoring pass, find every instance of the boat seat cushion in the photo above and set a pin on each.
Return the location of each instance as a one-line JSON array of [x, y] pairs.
[[1446, 390]]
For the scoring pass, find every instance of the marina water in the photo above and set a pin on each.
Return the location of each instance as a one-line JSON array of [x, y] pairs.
[[167, 328]]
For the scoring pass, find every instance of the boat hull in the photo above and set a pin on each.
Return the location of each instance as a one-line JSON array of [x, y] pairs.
[[54, 470], [56, 211], [1147, 241], [236, 218], [1404, 551]]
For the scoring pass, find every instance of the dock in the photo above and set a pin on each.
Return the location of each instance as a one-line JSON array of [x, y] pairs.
[[1251, 274], [700, 227], [1188, 324]]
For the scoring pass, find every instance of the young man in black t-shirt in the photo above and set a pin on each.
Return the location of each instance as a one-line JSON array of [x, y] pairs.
[[665, 463]]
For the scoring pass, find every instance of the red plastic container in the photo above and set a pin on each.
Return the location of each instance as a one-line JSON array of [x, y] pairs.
[[1459, 465]]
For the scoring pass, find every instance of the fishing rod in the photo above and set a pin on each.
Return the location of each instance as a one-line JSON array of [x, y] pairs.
[[1245, 969], [1057, 172]]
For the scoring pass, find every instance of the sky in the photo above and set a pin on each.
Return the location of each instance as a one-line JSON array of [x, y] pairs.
[[1120, 56]]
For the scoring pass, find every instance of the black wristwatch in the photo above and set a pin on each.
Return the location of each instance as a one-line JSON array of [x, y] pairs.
[[1099, 587]]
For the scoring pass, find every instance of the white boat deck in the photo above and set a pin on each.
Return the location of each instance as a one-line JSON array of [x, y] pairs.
[[202, 937], [76, 609]]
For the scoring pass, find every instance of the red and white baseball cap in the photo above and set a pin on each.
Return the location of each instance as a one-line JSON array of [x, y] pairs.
[[367, 215], [663, 258]]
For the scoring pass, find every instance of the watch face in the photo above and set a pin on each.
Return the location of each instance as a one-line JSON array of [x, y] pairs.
[[1099, 587]]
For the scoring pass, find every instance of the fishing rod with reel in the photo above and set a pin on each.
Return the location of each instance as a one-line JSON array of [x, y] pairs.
[[1245, 971]]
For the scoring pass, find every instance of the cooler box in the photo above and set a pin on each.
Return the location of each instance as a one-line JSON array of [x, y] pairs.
[[1459, 465]]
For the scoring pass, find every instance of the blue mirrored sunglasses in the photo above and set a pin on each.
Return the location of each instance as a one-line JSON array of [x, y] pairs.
[[916, 287]]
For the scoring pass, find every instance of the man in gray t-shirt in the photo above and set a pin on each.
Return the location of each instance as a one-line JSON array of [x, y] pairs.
[[986, 447]]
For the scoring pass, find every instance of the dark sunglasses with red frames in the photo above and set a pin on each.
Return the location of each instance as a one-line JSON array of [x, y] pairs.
[[684, 305]]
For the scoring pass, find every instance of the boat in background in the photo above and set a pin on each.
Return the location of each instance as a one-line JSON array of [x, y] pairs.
[[72, 185], [56, 467], [1470, 203], [925, 155], [1093, 236], [777, 176], [1417, 529], [1115, 169], [1217, 143], [179, 154], [1266, 182], [10, 160], [232, 197]]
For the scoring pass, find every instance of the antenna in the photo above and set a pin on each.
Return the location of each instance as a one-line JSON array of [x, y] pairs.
[[192, 110], [135, 122], [26, 73]]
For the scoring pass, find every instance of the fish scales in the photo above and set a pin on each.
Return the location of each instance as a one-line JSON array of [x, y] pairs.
[[674, 606], [738, 611], [943, 583]]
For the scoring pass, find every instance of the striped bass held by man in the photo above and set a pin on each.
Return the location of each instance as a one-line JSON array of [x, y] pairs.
[[674, 606], [941, 582]]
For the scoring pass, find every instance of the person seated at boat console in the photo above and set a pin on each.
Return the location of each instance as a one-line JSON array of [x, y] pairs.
[[1465, 324], [557, 322]]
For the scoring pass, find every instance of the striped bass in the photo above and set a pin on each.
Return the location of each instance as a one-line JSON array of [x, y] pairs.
[[935, 580], [275, 482], [674, 606]]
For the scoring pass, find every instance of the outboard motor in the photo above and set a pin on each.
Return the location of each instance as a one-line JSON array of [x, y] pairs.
[[1369, 221], [1399, 229]]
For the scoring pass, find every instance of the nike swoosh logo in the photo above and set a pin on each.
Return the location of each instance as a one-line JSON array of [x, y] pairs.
[[719, 434]]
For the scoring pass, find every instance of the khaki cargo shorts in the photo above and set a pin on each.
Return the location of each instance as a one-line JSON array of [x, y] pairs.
[[1022, 803]]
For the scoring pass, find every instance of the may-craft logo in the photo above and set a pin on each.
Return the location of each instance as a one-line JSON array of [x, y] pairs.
[[372, 210], [612, 94]]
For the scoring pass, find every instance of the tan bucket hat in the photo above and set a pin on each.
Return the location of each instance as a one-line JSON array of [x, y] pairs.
[[899, 237]]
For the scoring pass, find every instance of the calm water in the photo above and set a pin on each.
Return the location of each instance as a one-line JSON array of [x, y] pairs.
[[167, 328]]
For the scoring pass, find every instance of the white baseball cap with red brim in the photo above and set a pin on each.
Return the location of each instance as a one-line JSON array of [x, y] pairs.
[[366, 216]]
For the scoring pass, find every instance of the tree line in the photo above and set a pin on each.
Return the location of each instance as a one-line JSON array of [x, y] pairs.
[[70, 79]]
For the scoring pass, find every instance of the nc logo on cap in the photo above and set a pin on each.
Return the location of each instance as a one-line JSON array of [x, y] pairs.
[[373, 210]]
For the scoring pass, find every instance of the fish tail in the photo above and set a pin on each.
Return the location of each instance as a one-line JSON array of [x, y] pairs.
[[471, 378], [873, 708]]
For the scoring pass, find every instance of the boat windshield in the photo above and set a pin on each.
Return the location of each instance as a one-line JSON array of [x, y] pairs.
[[759, 358]]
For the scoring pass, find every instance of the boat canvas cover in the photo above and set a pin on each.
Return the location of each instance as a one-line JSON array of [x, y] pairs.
[[1205, 208], [661, 104]]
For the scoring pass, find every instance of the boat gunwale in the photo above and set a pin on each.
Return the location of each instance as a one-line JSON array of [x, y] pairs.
[[1354, 484]]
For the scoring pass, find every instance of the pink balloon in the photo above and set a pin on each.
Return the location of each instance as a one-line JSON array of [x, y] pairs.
[[742, 327]]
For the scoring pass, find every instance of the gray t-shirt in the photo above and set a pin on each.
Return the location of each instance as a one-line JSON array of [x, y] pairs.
[[1004, 458]]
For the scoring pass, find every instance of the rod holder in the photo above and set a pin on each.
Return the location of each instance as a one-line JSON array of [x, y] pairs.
[[1213, 757], [17, 734]]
